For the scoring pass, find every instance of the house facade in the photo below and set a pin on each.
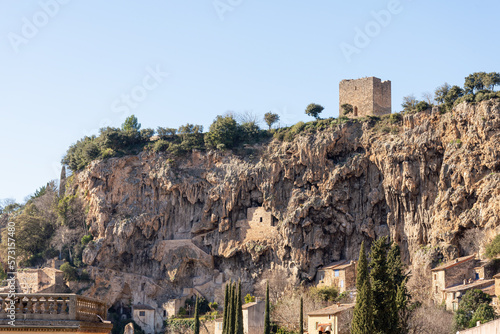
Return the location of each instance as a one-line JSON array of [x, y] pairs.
[[341, 275], [144, 316], [335, 319]]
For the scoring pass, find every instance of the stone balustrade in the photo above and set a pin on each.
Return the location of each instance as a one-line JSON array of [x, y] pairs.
[[45, 306]]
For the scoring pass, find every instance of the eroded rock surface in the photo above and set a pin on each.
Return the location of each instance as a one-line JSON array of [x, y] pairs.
[[168, 224]]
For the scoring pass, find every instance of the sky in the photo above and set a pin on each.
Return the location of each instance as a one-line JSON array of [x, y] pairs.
[[70, 67]]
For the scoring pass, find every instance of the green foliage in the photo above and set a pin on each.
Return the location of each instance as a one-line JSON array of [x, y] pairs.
[[3, 274], [249, 133], [314, 110], [224, 130], [383, 289], [402, 297], [267, 320], [346, 109], [472, 302], [182, 311], [326, 294], [196, 329], [493, 247], [362, 321], [131, 124], [166, 132], [249, 298], [119, 327], [409, 103], [483, 314], [441, 92], [213, 306], [70, 272], [271, 118], [239, 311], [160, 145], [421, 106], [86, 239], [395, 118]]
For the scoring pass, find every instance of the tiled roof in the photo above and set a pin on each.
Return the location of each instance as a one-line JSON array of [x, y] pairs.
[[455, 262], [142, 307], [248, 305], [476, 284], [333, 309], [339, 265]]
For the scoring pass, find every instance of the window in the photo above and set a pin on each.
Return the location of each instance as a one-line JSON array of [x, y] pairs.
[[342, 283], [355, 111], [337, 273], [436, 288], [164, 313], [142, 313], [316, 325], [329, 317], [261, 219], [435, 277], [220, 325]]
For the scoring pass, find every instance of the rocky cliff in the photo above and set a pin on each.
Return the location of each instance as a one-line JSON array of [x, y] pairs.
[[164, 224]]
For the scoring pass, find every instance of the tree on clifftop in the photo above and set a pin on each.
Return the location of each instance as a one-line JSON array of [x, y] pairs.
[[314, 110], [131, 124], [271, 118]]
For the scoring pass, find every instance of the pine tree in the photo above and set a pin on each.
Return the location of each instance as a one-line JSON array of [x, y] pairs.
[[226, 308], [301, 318], [239, 311], [196, 318], [362, 321], [267, 322], [383, 289]]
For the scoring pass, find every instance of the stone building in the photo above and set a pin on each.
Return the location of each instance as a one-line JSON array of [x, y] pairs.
[[453, 273], [144, 316], [41, 280], [368, 96], [341, 275], [454, 294], [335, 319], [253, 317]]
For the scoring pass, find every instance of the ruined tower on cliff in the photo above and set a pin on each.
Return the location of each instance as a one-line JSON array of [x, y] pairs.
[[368, 96]]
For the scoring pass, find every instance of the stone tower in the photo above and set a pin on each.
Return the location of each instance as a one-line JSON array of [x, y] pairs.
[[368, 96]]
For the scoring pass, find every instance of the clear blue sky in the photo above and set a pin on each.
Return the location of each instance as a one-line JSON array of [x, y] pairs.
[[67, 77]]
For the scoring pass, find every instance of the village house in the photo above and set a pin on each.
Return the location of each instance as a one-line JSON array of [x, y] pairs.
[[453, 273], [253, 319], [144, 316], [453, 294], [44, 280], [341, 275], [335, 319]]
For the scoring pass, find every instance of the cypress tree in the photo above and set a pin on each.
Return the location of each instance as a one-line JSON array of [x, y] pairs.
[[239, 311], [401, 296], [232, 308], [226, 304], [196, 318], [267, 322], [383, 289], [362, 320], [301, 318]]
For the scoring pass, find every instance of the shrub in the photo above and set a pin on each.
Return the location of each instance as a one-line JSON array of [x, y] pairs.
[[70, 273], [493, 248], [249, 298], [160, 145], [327, 294], [421, 106], [314, 110], [223, 130], [86, 239], [347, 108], [395, 118]]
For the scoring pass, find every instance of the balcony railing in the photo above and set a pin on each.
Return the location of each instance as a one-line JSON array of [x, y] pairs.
[[45, 306]]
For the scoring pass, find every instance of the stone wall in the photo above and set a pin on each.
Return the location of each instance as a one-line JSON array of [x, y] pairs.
[[489, 327], [345, 280], [368, 96]]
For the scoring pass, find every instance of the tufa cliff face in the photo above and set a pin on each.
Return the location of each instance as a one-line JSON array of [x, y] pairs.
[[164, 225]]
